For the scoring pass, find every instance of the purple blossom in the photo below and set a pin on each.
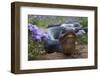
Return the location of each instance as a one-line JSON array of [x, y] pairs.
[[36, 37], [45, 34], [32, 27], [37, 34]]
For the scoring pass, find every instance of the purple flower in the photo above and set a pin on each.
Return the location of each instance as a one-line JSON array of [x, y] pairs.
[[37, 34], [45, 34], [36, 37], [32, 27]]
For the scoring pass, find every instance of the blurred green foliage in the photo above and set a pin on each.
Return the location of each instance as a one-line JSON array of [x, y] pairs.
[[35, 48], [46, 21], [83, 39], [83, 21]]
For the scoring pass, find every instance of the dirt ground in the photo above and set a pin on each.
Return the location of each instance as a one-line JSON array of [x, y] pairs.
[[82, 53]]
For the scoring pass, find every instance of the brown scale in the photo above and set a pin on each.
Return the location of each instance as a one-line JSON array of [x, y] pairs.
[[67, 42]]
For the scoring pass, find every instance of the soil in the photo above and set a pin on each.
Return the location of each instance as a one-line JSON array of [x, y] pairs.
[[81, 53]]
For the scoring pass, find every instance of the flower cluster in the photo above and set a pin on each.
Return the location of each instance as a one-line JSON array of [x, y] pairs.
[[37, 34]]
